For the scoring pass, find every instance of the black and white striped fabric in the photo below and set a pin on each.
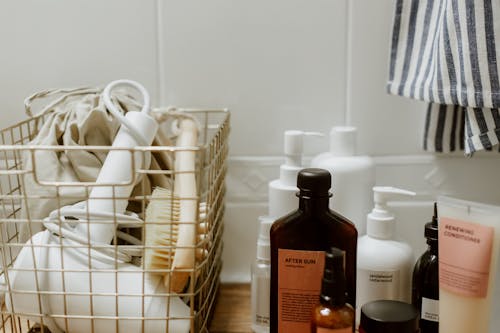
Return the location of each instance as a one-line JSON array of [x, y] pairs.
[[444, 52]]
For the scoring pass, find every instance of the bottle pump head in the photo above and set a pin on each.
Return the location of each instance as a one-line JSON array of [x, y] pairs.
[[343, 141], [380, 222], [333, 285], [263, 242], [293, 149]]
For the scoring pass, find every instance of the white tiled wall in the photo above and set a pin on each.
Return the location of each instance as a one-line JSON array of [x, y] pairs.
[[387, 124], [52, 44], [277, 64], [280, 64]]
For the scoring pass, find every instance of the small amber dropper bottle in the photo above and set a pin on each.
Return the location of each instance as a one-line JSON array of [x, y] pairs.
[[333, 314]]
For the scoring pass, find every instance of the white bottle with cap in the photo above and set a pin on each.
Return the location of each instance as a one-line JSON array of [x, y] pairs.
[[385, 265], [282, 200], [261, 279], [353, 176], [282, 191]]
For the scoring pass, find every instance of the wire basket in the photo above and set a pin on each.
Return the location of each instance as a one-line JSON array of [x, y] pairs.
[[72, 305]]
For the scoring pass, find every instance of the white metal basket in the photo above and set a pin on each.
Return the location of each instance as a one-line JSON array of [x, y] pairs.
[[200, 294]]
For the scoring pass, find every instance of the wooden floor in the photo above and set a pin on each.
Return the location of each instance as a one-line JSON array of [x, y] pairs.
[[232, 312]]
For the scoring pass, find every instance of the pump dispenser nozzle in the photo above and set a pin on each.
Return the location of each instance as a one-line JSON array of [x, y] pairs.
[[333, 285], [282, 199], [343, 141], [293, 149], [380, 222], [263, 242]]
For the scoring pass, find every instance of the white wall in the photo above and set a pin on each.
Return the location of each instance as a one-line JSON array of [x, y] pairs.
[[280, 64]]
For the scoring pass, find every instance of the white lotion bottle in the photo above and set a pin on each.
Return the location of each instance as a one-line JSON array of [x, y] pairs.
[[385, 265], [282, 200], [353, 176], [261, 279], [282, 191]]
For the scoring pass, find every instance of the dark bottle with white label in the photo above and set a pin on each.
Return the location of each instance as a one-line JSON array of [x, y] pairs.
[[298, 244], [425, 290]]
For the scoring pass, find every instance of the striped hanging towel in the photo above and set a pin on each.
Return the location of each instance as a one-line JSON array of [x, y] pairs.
[[444, 52]]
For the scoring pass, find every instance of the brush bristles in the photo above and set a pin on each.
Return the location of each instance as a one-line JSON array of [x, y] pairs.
[[162, 230]]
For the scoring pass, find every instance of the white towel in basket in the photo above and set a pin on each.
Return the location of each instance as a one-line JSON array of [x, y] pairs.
[[79, 118]]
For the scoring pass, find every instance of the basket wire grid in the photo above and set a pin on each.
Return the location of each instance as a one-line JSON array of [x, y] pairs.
[[200, 293]]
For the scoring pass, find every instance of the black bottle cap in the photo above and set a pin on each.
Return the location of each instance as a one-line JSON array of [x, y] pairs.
[[389, 317], [431, 228], [314, 180], [333, 285]]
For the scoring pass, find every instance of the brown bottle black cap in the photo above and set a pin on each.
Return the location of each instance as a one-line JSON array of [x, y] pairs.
[[314, 180]]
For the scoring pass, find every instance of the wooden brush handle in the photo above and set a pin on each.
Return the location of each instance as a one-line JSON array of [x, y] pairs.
[[185, 190]]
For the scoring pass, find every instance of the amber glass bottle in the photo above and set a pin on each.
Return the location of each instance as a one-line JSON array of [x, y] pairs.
[[298, 244], [332, 314], [425, 286]]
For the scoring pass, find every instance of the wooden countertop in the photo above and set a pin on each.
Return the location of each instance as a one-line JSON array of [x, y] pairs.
[[232, 311]]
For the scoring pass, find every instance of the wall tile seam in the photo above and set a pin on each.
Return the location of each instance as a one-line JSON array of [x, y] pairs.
[[160, 64], [248, 176], [396, 159]]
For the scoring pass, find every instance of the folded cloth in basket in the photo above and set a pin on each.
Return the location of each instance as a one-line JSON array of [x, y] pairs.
[[77, 118]]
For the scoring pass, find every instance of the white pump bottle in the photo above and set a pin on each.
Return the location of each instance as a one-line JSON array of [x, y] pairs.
[[282, 191], [261, 279], [282, 200], [385, 265]]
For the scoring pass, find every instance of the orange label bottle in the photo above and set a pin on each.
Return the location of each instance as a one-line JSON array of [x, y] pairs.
[[298, 243]]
